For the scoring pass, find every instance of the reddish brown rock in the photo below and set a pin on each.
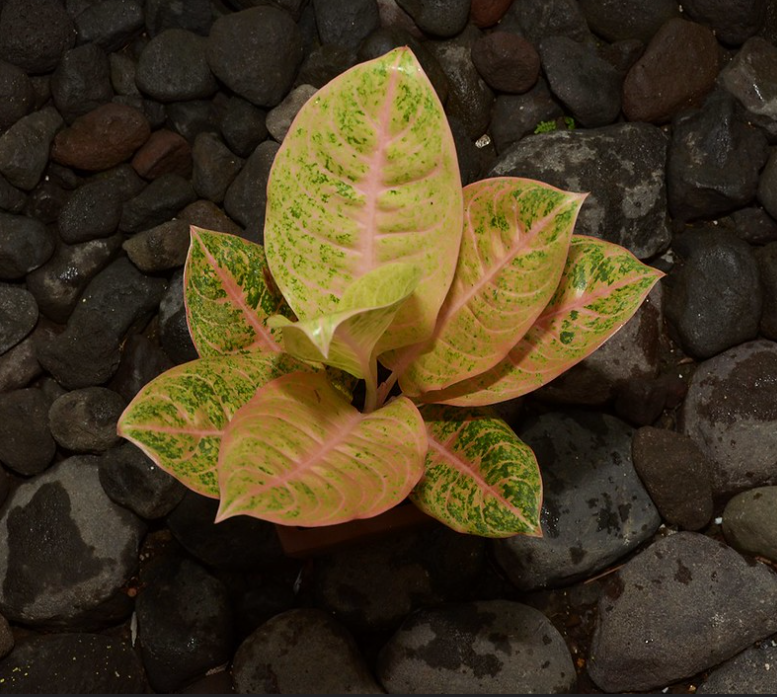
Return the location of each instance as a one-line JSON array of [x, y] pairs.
[[164, 152], [677, 70], [507, 62], [101, 139], [208, 215], [486, 13]]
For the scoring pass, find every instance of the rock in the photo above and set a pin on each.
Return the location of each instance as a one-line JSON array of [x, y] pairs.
[[588, 85], [241, 542], [6, 636], [767, 186], [173, 326], [516, 116], [617, 20], [110, 24], [486, 13], [46, 200], [59, 283], [19, 366], [26, 445], [374, 587], [279, 119], [192, 15], [506, 61], [141, 361], [192, 118], [484, 647], [767, 266], [11, 199], [161, 248], [622, 166], [72, 663], [536, 19], [124, 179], [18, 316], [677, 70], [91, 212], [246, 198], [243, 126], [173, 67], [34, 34], [208, 215], [729, 412], [215, 167], [184, 622], [732, 22], [67, 550], [712, 605], [750, 672], [165, 152], [749, 524], [438, 17], [326, 62], [24, 147], [123, 69], [25, 244], [715, 296], [676, 475], [714, 161], [84, 421], [622, 54], [753, 225], [157, 203], [346, 23], [132, 480], [101, 139], [270, 45], [301, 651], [17, 97], [81, 81]]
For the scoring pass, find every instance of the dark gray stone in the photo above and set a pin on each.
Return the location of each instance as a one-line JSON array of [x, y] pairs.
[[730, 411], [132, 480], [734, 21], [486, 647], [243, 126], [173, 67], [753, 225], [270, 46], [537, 19], [750, 673], [25, 244], [215, 166], [192, 15], [184, 623], [26, 445], [141, 361], [767, 266], [516, 116], [622, 166], [161, 248], [17, 96], [685, 604], [157, 203], [18, 315], [596, 509], [123, 69], [208, 215], [324, 63], [110, 24], [715, 296], [442, 18], [84, 421], [301, 651], [280, 117], [767, 186], [616, 20], [346, 23], [12, 200], [191, 118], [173, 326], [24, 147], [6, 634], [749, 523], [506, 61], [67, 550], [92, 211], [81, 82], [19, 366]]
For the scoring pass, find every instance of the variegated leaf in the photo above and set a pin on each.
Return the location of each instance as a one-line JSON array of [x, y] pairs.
[[602, 286], [480, 477], [299, 454]]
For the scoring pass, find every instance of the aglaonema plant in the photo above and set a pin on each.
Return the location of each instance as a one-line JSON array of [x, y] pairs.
[[375, 254]]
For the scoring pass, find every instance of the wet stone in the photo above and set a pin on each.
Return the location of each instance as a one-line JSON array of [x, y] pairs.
[[161, 248], [25, 244], [713, 605], [279, 119], [165, 152], [767, 266], [301, 651], [81, 82], [749, 524], [749, 673], [78, 548], [84, 421], [92, 211], [507, 62], [243, 126], [729, 412], [26, 444], [485, 647], [157, 203], [616, 20], [24, 147], [438, 17], [215, 167], [131, 479], [17, 96], [595, 510], [732, 22], [109, 24], [18, 315], [516, 116], [346, 23]]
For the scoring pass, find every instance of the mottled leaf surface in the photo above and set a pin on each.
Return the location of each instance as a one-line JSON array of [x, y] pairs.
[[179, 418], [602, 286], [299, 454], [227, 296], [480, 477], [367, 176], [515, 242]]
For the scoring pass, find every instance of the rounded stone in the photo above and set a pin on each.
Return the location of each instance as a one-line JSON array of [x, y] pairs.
[[749, 522], [26, 444], [85, 420], [81, 81], [25, 244], [91, 212], [18, 316], [17, 96], [507, 62], [165, 152], [441, 18]]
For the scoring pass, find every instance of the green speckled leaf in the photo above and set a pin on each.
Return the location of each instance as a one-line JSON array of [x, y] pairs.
[[515, 242], [178, 419], [299, 454], [227, 296], [480, 477], [346, 339], [602, 286], [367, 176]]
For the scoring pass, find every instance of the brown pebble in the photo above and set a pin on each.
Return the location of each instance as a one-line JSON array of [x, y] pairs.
[[164, 152]]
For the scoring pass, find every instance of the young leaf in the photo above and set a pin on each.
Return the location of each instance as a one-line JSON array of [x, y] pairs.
[[367, 176], [346, 339], [299, 454], [227, 296], [178, 419], [480, 478], [516, 238], [602, 286]]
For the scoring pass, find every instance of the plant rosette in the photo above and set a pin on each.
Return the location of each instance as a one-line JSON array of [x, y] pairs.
[[375, 254]]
